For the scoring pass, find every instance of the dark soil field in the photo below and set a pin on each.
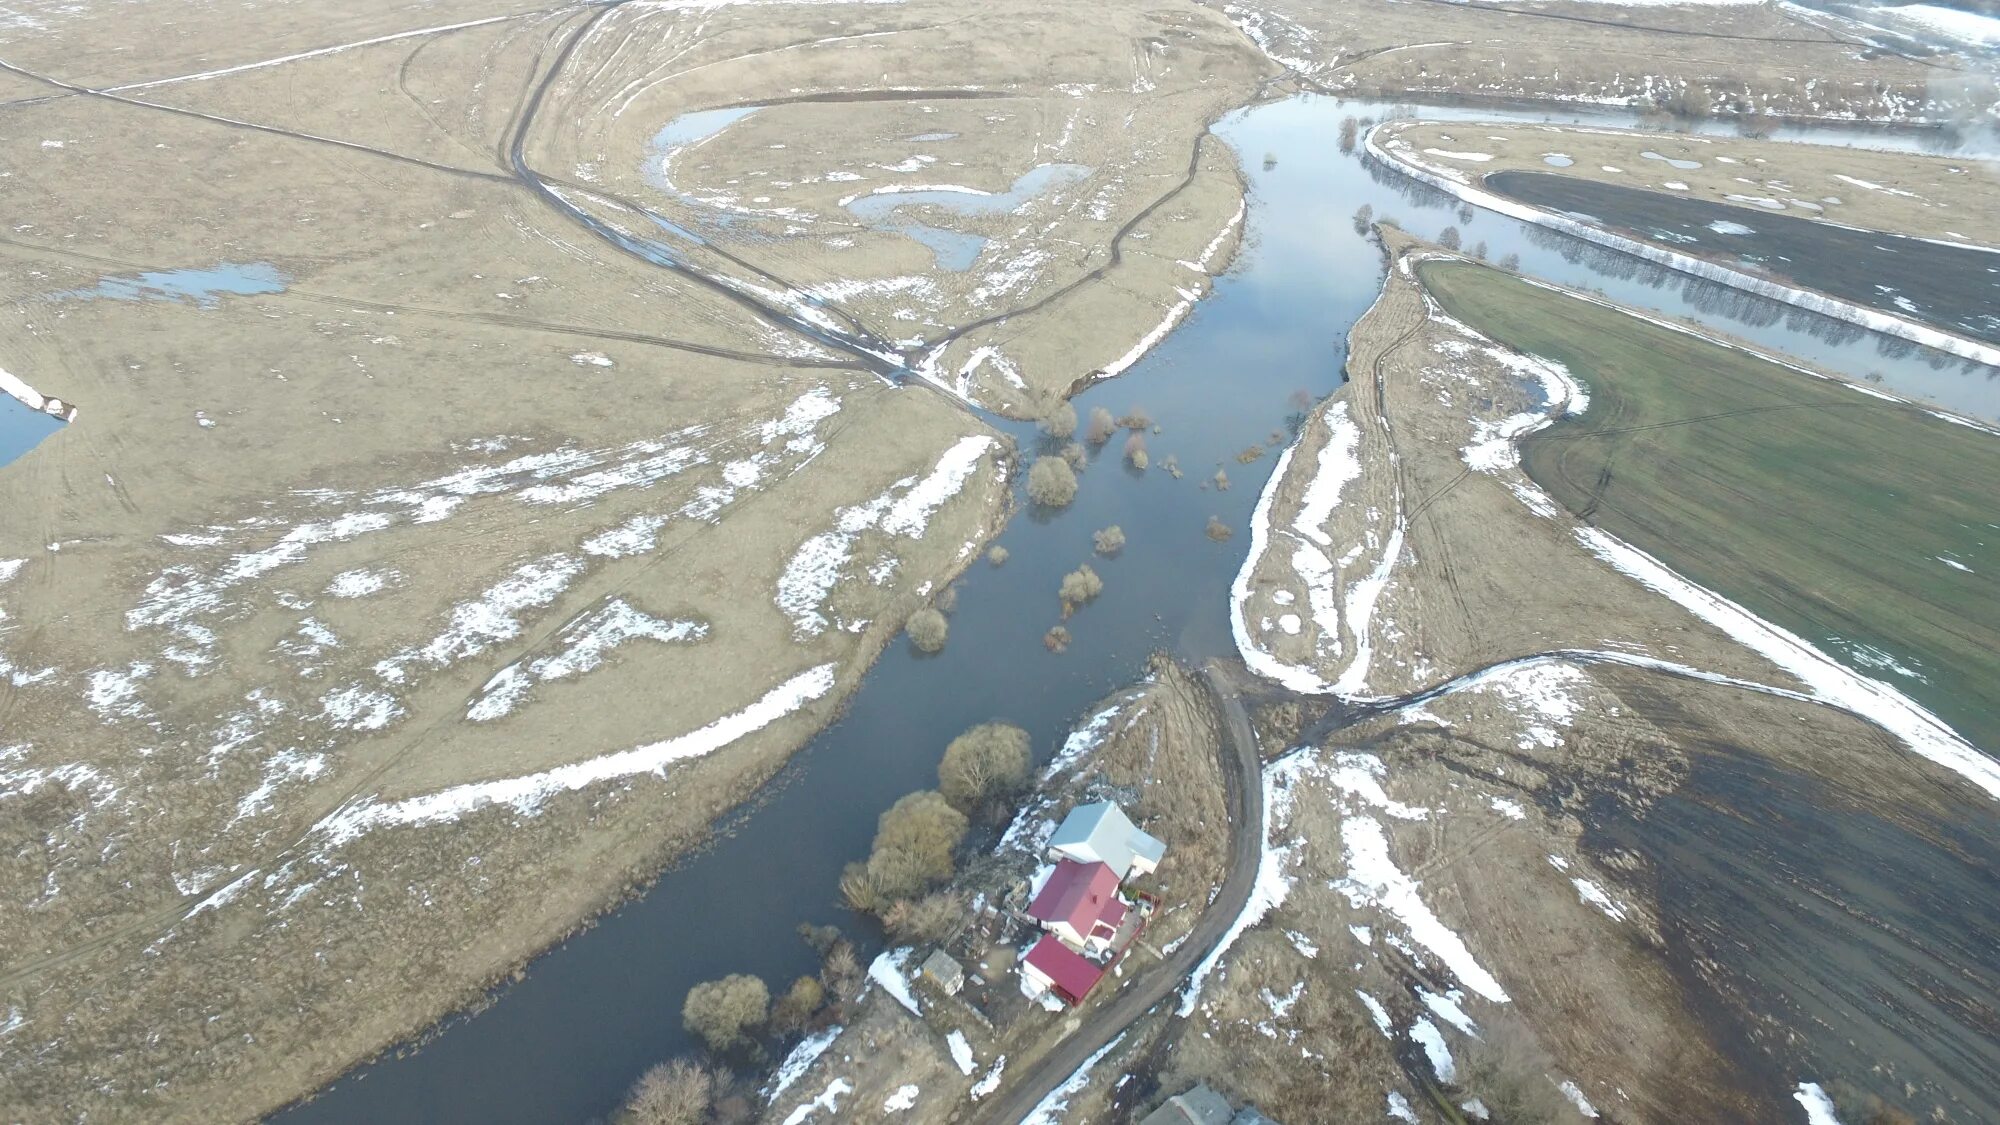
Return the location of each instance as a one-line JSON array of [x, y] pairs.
[[1867, 526], [1952, 288]]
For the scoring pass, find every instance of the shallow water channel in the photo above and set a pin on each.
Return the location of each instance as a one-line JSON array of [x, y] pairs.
[[562, 1045]]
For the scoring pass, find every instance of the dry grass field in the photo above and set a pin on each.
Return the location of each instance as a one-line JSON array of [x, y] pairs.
[[471, 497]]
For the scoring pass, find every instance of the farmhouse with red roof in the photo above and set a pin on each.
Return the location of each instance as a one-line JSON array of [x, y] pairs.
[[1080, 905]]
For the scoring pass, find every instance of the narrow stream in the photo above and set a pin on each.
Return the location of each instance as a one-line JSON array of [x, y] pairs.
[[563, 1044]]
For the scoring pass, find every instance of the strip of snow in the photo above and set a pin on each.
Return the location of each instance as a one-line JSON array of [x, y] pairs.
[[800, 1060], [1272, 883], [1473, 156], [528, 792], [961, 1052], [1296, 678], [14, 387], [1574, 1093], [1427, 1036], [1374, 879], [1377, 1013], [904, 1098], [1174, 316], [1975, 28], [990, 1081], [1819, 1108], [207, 74], [1593, 895], [887, 970], [905, 509], [1398, 1107], [1396, 154], [1827, 680], [1048, 1111], [828, 1100]]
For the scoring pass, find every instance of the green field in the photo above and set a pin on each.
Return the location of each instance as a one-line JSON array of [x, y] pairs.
[[1820, 508]]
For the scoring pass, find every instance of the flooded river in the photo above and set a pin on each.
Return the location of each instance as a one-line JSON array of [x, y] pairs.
[[563, 1044]]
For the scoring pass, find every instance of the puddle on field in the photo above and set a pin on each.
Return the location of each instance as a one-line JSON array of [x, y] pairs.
[[564, 1043], [204, 287], [1683, 165], [22, 428], [957, 250]]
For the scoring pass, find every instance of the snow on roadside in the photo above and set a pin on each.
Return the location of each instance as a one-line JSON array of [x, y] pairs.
[[1272, 885], [1048, 1111], [526, 793]]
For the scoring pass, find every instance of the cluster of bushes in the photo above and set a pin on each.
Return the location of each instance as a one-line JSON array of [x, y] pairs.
[[916, 841], [732, 1016]]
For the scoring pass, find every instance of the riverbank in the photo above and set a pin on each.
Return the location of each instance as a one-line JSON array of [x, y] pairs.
[[1385, 145]]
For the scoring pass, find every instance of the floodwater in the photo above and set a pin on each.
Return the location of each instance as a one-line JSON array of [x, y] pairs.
[[1956, 288], [591, 1014], [957, 250], [21, 428], [204, 287]]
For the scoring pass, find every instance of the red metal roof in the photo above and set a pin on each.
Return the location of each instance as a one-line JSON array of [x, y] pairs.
[[1079, 894], [1072, 973]]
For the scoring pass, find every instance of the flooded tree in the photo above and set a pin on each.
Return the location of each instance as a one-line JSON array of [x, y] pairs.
[[795, 1009], [1350, 130], [1102, 426], [724, 1012], [1059, 421], [1364, 217], [987, 763], [1056, 639], [1109, 541], [1449, 238], [997, 556], [928, 629], [1512, 262], [1217, 530], [1135, 451], [1079, 586], [1051, 482]]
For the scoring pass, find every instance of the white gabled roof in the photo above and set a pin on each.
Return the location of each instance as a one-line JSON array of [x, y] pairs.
[[1101, 833]]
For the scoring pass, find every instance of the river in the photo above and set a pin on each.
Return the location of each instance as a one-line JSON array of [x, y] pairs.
[[563, 1043]]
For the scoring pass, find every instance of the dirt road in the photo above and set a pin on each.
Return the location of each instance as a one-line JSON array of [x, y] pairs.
[[1242, 776]]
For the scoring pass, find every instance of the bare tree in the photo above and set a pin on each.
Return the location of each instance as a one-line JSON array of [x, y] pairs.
[[1051, 482], [672, 1093], [928, 629]]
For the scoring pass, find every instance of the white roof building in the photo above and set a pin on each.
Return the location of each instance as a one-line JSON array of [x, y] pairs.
[[1102, 833]]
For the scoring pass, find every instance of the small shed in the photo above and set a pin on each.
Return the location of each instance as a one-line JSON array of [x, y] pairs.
[[941, 970]]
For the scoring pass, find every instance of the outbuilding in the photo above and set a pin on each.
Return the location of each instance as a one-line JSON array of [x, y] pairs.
[[1053, 966]]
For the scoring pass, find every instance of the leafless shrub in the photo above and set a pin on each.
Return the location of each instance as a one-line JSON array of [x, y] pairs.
[[1059, 421], [1056, 639], [932, 918], [795, 1009], [1172, 465], [1254, 453], [1137, 419], [1108, 541], [672, 1093], [997, 556], [1102, 426], [1135, 450], [1217, 530], [1221, 480], [1075, 456]]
